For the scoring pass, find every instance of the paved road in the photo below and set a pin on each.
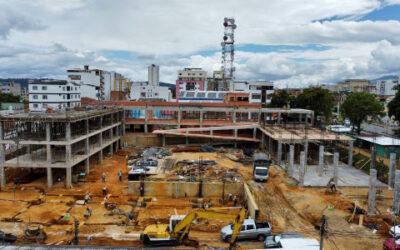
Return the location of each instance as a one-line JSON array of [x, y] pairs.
[[372, 128]]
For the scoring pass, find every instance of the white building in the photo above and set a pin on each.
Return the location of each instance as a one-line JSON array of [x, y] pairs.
[[254, 89], [11, 88], [97, 84], [385, 87], [150, 91], [154, 75], [53, 93]]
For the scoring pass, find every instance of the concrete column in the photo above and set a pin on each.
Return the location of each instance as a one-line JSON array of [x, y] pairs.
[[396, 201], [350, 158], [291, 160], [201, 117], [179, 118], [302, 169], [279, 118], [68, 178], [87, 165], [312, 118], [146, 118], [372, 191], [335, 167], [111, 149], [187, 140], [68, 153], [2, 158], [321, 160], [235, 131], [163, 140], [211, 132], [373, 157], [2, 176], [234, 116], [300, 117], [392, 168], [49, 177], [306, 150], [270, 150], [262, 140], [279, 156], [48, 156], [123, 122], [254, 133]]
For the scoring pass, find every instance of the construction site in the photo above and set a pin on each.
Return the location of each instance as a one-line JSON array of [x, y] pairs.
[[97, 176]]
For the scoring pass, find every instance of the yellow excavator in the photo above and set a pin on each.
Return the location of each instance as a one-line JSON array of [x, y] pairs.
[[177, 230]]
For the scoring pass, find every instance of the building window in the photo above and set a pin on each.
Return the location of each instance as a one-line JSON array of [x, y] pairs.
[[143, 94], [34, 87], [256, 96], [44, 97], [35, 105], [35, 97], [63, 88], [44, 87], [44, 105], [63, 96]]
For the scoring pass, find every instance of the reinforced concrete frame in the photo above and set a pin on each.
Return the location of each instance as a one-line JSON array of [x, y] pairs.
[[59, 140]]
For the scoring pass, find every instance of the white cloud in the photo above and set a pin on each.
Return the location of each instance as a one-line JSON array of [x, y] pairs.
[[44, 38]]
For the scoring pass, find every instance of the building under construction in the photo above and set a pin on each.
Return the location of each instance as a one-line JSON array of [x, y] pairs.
[[58, 140]]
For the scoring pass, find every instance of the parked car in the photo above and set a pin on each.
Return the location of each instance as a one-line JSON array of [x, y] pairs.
[[7, 237], [273, 240], [393, 230], [250, 230]]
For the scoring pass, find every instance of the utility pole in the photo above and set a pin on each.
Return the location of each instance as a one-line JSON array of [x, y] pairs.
[[322, 232]]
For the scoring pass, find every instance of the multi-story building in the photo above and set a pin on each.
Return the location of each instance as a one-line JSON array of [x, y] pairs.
[[11, 88], [356, 85], [98, 84], [255, 90], [151, 90], [190, 79], [154, 75], [56, 94], [219, 82], [24, 94], [385, 87]]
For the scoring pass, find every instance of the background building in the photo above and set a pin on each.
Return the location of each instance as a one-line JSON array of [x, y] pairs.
[[56, 94], [385, 87], [190, 79], [98, 84], [356, 85], [11, 88], [151, 90]]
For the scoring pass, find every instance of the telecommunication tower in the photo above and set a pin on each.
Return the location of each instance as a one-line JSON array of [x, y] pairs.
[[228, 49]]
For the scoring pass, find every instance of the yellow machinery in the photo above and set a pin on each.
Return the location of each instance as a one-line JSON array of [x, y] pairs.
[[177, 230]]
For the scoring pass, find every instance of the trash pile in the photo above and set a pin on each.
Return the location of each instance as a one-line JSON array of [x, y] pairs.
[[140, 163]]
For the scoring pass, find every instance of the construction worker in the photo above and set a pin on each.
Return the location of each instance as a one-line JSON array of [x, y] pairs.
[[87, 198], [103, 177], [120, 176], [104, 191], [235, 200], [332, 185], [141, 189], [89, 210], [17, 181], [89, 239], [105, 201]]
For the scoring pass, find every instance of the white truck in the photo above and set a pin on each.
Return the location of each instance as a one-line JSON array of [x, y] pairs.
[[261, 164], [250, 230]]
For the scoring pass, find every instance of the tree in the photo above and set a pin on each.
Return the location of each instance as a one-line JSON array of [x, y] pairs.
[[317, 99], [281, 99], [8, 97], [394, 105], [358, 106]]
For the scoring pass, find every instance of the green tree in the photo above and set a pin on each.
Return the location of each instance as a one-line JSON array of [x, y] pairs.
[[358, 106], [281, 99], [394, 105], [8, 97], [317, 99]]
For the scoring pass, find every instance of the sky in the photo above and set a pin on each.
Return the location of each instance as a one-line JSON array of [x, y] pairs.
[[293, 43]]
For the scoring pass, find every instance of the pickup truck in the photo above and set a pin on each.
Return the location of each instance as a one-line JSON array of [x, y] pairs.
[[250, 230]]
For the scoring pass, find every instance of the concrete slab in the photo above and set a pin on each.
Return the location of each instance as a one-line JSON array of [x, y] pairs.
[[347, 177]]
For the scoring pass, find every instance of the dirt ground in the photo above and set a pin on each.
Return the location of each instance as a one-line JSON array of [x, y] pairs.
[[287, 207]]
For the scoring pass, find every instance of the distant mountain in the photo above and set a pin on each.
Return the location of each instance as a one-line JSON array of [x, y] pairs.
[[384, 78], [22, 81], [169, 85]]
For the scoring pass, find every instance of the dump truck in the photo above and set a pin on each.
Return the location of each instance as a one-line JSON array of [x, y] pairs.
[[177, 230], [261, 163]]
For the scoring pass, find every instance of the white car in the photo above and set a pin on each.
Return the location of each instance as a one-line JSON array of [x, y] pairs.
[[393, 230]]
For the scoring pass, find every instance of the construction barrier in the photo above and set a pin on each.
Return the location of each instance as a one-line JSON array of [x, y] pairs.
[[252, 206]]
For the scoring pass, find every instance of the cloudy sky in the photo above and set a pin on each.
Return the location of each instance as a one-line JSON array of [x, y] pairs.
[[293, 43]]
